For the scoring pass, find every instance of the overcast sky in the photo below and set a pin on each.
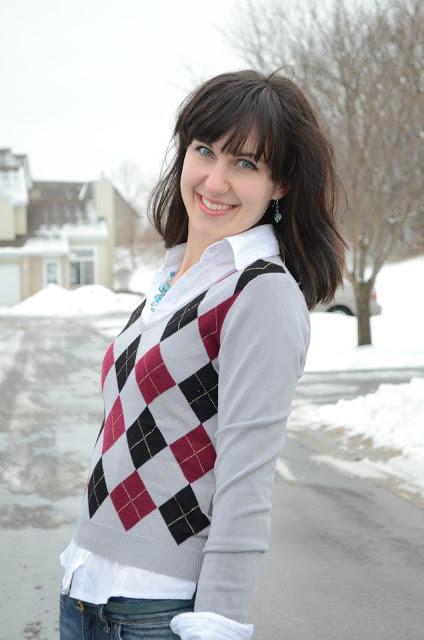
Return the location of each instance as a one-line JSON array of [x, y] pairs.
[[87, 84]]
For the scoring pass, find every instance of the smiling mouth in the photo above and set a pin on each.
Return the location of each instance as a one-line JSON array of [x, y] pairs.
[[215, 206]]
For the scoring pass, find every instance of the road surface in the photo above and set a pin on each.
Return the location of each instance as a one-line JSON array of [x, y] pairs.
[[347, 556]]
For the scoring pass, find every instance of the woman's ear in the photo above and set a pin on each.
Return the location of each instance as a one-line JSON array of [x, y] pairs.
[[280, 191]]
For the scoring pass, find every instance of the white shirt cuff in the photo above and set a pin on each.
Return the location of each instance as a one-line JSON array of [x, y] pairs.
[[205, 625]]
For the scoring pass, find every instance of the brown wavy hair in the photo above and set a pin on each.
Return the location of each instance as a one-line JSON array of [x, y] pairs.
[[297, 153]]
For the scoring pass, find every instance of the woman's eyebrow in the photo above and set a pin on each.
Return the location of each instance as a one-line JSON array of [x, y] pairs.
[[251, 155], [245, 153], [204, 141]]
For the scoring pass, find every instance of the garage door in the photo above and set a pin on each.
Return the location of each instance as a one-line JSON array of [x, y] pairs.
[[10, 284]]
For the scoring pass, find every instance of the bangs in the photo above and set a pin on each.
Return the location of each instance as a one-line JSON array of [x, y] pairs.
[[250, 120]]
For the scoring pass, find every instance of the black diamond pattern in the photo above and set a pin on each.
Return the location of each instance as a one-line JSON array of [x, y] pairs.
[[126, 362], [183, 516], [144, 439], [183, 316], [255, 269], [97, 489], [100, 430], [134, 316], [201, 391]]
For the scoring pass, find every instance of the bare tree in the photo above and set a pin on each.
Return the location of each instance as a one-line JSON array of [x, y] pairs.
[[412, 241], [129, 179], [140, 242], [362, 68]]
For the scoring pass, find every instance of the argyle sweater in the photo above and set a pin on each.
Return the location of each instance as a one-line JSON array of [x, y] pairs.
[[195, 407]]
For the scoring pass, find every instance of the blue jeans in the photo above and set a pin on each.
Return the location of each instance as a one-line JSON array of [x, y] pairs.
[[120, 618]]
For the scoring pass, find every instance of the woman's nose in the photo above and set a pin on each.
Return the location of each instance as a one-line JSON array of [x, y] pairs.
[[217, 179]]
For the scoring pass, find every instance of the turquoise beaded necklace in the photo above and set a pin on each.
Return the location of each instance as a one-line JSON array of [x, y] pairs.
[[163, 288]]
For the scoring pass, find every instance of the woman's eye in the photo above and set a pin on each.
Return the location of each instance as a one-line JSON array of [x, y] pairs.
[[204, 151], [248, 164]]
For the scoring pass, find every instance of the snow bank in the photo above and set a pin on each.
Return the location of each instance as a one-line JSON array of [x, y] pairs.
[[398, 339], [142, 276], [393, 416], [397, 336], [88, 300]]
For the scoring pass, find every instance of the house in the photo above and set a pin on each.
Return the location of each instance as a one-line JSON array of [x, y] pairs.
[[61, 232]]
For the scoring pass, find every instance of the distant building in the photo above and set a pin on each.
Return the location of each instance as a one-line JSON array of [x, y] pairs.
[[61, 232]]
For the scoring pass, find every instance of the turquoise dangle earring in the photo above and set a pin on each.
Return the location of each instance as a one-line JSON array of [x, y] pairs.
[[277, 212]]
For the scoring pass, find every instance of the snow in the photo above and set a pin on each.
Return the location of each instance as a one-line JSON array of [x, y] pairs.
[[37, 247], [9, 348], [392, 417], [13, 185], [283, 470], [142, 276], [136, 280], [94, 230], [398, 339], [55, 240], [88, 300], [397, 336]]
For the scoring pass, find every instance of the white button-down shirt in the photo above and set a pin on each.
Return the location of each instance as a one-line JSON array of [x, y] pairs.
[[92, 578]]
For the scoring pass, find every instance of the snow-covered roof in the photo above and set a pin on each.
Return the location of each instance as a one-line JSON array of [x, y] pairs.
[[38, 247], [60, 203], [14, 178], [93, 231], [56, 240], [85, 231]]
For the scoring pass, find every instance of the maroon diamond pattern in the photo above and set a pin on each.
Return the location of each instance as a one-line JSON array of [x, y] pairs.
[[210, 324], [152, 375], [132, 501], [114, 425], [108, 361], [194, 453]]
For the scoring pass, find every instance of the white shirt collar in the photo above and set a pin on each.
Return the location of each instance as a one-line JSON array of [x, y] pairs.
[[243, 248]]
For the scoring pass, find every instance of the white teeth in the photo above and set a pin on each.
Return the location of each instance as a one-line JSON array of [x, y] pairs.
[[216, 207]]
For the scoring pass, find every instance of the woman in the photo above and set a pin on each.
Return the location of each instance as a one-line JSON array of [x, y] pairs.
[[175, 518]]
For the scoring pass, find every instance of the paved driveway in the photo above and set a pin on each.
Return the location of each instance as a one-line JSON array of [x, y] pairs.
[[346, 559]]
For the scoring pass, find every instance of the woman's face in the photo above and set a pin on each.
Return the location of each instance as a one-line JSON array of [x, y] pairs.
[[224, 194]]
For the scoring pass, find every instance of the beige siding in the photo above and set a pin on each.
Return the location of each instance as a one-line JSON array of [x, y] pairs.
[[32, 275], [64, 269], [126, 222], [104, 197], [7, 220], [20, 220], [105, 275]]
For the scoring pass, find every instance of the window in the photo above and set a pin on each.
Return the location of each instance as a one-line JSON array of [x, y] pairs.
[[52, 271], [82, 266]]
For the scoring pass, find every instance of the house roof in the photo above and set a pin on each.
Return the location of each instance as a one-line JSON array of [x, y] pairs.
[[56, 211], [37, 247], [15, 178], [60, 203], [19, 241]]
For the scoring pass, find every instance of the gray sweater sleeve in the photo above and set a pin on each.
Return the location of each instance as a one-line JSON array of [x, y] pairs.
[[264, 341]]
